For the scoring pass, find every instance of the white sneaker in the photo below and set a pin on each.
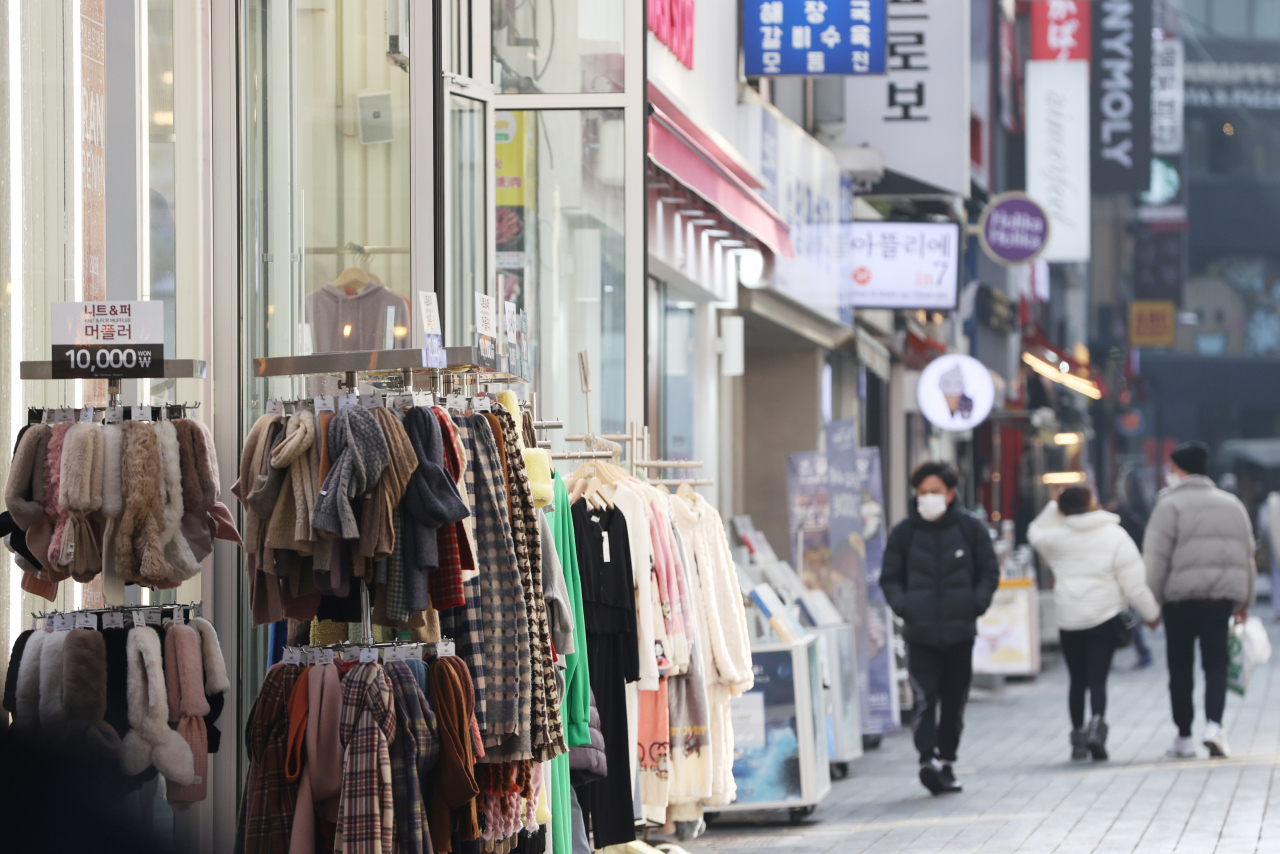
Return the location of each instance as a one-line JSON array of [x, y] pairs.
[[1215, 740], [1182, 748]]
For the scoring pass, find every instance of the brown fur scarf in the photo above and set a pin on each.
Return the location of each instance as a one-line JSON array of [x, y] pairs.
[[139, 553]]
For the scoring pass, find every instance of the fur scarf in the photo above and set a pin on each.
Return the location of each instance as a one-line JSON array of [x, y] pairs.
[[215, 667], [53, 718], [112, 508], [79, 495], [149, 740], [17, 490], [139, 548], [177, 551], [26, 713], [199, 465], [183, 670], [84, 692]]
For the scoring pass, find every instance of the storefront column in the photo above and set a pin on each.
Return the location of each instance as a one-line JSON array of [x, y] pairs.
[[706, 399]]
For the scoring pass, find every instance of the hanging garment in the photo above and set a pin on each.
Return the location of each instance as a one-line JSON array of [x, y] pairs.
[[687, 698], [413, 755], [271, 798], [344, 323], [290, 523], [216, 683], [454, 541], [451, 807], [320, 781], [366, 818], [177, 551], [79, 497], [139, 548], [150, 741], [184, 680], [431, 501], [112, 509], [377, 529], [10, 703], [359, 452]]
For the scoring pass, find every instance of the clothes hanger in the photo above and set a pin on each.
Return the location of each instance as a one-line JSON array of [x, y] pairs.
[[352, 281], [685, 490]]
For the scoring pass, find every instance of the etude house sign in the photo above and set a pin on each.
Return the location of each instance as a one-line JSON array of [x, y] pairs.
[[1013, 229]]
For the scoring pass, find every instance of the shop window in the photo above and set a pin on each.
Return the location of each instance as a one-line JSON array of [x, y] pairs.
[[465, 226], [558, 45], [560, 241], [678, 380]]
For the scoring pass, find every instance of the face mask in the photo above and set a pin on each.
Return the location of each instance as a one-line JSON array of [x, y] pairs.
[[1172, 479], [931, 506]]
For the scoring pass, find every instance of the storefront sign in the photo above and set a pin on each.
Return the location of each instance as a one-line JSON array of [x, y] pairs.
[[1121, 95], [1057, 113], [955, 392], [1223, 85], [918, 114], [1152, 323], [1158, 265], [486, 331], [94, 340], [1166, 94], [671, 22], [811, 37], [1060, 30], [1013, 229], [909, 265]]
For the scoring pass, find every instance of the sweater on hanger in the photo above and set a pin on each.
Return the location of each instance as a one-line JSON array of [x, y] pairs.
[[330, 312]]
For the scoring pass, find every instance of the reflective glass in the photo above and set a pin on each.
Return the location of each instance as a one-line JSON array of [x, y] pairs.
[[558, 45]]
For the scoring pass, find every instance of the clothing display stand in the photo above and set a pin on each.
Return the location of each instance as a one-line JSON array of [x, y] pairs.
[[464, 373], [170, 369]]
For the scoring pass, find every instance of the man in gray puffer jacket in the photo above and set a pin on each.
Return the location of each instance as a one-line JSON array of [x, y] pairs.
[[1199, 554]]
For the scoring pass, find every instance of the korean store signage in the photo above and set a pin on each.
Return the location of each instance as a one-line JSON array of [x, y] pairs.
[[1152, 323], [1013, 229], [909, 265], [1121, 96], [671, 21], [918, 112], [812, 37], [94, 340], [1166, 94], [955, 392], [1060, 29]]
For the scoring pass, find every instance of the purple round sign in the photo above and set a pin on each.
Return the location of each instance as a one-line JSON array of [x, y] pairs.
[[1014, 229]]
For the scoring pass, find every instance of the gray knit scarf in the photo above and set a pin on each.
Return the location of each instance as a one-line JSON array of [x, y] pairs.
[[359, 453]]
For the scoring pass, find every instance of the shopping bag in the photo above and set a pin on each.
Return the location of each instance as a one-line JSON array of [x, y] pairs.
[[1248, 646]]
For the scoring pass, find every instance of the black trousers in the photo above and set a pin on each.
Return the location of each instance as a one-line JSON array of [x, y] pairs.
[[607, 804], [1210, 622], [1088, 653], [940, 677]]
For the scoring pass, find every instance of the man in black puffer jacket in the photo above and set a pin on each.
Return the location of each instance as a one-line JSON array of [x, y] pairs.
[[940, 572]]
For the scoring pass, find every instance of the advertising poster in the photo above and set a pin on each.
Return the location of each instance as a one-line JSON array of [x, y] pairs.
[[879, 714], [766, 741], [807, 515], [847, 581]]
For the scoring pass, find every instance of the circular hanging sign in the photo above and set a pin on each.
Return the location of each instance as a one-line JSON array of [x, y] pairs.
[[955, 392], [1013, 229]]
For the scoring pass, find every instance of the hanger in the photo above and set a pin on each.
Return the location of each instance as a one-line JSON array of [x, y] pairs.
[[685, 490], [352, 281]]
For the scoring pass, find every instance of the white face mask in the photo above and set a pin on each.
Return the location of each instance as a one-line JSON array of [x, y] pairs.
[[1172, 479], [931, 506]]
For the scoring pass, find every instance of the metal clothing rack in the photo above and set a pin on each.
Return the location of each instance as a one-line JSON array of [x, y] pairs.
[[171, 369], [193, 609], [464, 371]]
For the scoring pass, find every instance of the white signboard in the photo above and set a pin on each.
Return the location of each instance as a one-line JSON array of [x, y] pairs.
[[1166, 95], [1057, 99], [908, 265], [955, 392], [107, 339], [918, 112]]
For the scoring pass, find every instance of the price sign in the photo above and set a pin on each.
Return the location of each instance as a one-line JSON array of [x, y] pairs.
[[85, 620], [486, 331], [113, 620], [92, 340]]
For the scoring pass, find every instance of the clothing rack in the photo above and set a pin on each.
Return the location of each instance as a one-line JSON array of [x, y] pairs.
[[50, 618], [582, 455], [170, 369], [669, 464]]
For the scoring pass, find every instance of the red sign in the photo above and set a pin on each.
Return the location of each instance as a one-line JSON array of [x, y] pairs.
[[672, 22], [1060, 29]]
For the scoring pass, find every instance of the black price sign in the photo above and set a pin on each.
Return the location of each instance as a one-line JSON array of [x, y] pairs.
[[96, 361]]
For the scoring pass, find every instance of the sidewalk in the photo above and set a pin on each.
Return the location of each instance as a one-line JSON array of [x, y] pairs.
[[1022, 792]]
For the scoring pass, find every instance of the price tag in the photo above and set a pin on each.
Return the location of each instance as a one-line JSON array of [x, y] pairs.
[[34, 622], [391, 653], [86, 415], [425, 398], [140, 413], [151, 616], [292, 655], [404, 401], [372, 399], [444, 649], [275, 407], [197, 610], [113, 415], [481, 403], [135, 619], [413, 652], [457, 403], [178, 614], [64, 415], [63, 623], [312, 654], [346, 401], [325, 656], [113, 620], [351, 654], [368, 655], [323, 403], [85, 620]]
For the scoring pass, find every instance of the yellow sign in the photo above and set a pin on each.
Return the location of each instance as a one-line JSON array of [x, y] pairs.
[[1152, 323], [509, 147]]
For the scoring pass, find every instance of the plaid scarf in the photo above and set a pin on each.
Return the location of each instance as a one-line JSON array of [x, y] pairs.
[[413, 753], [546, 731], [505, 618], [445, 584], [269, 819], [397, 592], [366, 812]]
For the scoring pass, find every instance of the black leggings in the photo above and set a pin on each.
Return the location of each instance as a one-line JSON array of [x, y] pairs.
[[1088, 653]]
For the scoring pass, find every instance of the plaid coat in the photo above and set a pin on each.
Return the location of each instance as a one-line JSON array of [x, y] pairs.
[[546, 731], [366, 811], [269, 818], [505, 618], [413, 754]]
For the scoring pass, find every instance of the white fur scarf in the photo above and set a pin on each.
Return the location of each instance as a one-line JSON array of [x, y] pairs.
[[112, 508], [150, 741], [215, 667], [177, 551], [26, 713]]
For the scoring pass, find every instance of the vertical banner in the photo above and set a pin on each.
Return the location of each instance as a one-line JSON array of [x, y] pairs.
[[807, 517], [1121, 96], [1166, 94], [1057, 122], [848, 583], [918, 113], [881, 710]]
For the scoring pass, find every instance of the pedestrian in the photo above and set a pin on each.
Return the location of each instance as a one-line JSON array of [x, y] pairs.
[[1134, 527], [1097, 575], [1268, 551], [939, 574], [1200, 566]]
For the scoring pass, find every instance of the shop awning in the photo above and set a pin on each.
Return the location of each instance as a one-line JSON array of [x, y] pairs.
[[684, 159]]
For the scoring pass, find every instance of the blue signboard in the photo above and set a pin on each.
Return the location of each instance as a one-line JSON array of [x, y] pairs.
[[812, 37]]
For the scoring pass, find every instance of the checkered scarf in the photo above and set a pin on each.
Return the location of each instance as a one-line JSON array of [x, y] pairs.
[[445, 582], [397, 589], [269, 819], [546, 732], [505, 618], [413, 753], [366, 812]]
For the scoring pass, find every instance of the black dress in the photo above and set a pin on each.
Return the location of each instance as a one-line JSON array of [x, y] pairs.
[[613, 659]]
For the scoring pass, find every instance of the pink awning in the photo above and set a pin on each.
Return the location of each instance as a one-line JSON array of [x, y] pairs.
[[684, 159]]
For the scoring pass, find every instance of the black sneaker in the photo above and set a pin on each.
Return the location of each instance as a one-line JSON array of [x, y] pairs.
[[949, 777], [936, 780]]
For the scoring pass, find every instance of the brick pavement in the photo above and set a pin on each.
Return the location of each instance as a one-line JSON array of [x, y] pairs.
[[1022, 792]]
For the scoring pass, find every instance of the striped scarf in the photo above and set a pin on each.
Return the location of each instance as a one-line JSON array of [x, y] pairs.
[[366, 811], [414, 752]]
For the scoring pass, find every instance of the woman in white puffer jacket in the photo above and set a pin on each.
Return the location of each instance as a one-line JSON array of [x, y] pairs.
[[1097, 573]]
